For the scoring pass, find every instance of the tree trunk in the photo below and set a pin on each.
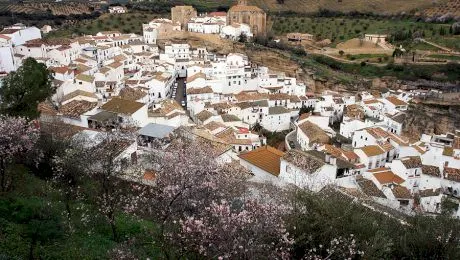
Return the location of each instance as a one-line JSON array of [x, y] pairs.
[[67, 208], [31, 249], [2, 173], [113, 227]]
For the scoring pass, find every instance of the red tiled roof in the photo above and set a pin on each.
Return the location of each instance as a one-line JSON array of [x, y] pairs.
[[4, 37], [372, 150], [388, 177], [395, 101], [452, 174], [266, 158]]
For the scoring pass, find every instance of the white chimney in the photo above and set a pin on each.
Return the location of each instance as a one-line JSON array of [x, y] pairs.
[[333, 161]]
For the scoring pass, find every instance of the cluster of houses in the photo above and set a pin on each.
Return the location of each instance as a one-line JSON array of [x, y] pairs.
[[367, 156], [112, 81], [240, 20]]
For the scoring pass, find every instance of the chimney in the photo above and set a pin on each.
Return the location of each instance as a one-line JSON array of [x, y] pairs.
[[333, 160], [446, 164]]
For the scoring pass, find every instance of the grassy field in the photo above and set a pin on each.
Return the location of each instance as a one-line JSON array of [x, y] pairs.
[[377, 6], [35, 207], [369, 57], [445, 57], [125, 23], [342, 29], [450, 72], [449, 42], [421, 46]]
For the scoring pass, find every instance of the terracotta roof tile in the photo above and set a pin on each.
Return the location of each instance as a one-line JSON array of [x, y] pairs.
[[196, 76], [167, 106], [77, 93], [369, 188], [395, 101], [76, 108], [401, 192], [304, 161], [452, 174], [412, 162], [372, 150], [429, 192], [213, 125], [431, 170], [228, 135], [314, 133], [196, 91], [132, 94], [388, 177], [122, 106], [266, 158], [230, 118], [204, 115], [244, 8]]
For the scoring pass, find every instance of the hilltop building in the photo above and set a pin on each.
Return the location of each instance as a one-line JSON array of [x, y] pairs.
[[183, 14], [255, 17]]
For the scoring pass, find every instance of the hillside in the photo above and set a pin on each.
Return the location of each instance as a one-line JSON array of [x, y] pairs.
[[375, 6], [50, 8]]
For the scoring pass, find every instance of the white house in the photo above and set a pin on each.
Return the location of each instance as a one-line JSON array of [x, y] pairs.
[[235, 30], [77, 112], [348, 126], [278, 119], [410, 169], [372, 156], [129, 113], [311, 136], [393, 103], [307, 171], [117, 9], [20, 34], [11, 37], [395, 122], [430, 200], [264, 163]]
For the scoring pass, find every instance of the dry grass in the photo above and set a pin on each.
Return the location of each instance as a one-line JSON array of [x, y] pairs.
[[357, 44]]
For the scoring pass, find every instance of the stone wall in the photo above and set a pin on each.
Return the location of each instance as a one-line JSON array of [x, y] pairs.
[[183, 14]]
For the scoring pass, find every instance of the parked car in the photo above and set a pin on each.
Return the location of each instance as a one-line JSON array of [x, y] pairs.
[[183, 103], [292, 144]]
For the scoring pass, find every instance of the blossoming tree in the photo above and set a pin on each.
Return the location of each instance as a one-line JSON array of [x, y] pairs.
[[17, 137]]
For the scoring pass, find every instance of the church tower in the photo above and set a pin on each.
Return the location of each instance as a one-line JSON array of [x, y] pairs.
[[243, 2]]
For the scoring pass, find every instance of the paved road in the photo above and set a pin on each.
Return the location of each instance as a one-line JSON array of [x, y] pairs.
[[180, 91]]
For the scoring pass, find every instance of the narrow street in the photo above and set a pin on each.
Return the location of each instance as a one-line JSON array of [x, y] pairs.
[[180, 92]]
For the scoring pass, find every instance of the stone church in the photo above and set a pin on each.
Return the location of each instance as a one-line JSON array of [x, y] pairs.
[[255, 17]]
